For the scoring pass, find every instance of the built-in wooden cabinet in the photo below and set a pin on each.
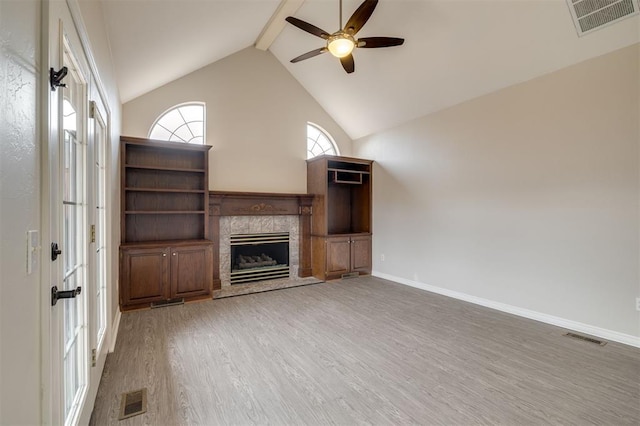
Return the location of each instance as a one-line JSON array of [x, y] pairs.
[[191, 270], [341, 222], [144, 274], [164, 254], [344, 254], [361, 253], [157, 272], [338, 253]]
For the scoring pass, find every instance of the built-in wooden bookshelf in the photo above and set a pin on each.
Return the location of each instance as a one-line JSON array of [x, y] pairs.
[[341, 222], [164, 214]]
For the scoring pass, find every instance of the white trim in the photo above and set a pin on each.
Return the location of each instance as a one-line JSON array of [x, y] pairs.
[[113, 335], [76, 16], [178, 106], [46, 269], [324, 132], [604, 333]]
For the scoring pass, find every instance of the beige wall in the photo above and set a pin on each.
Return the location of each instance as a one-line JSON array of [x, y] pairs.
[[256, 121], [527, 197]]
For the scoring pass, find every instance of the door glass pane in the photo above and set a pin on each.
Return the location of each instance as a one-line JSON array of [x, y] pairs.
[[74, 236]]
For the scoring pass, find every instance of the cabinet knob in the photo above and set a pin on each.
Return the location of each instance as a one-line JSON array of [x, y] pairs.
[[164, 254], [174, 253]]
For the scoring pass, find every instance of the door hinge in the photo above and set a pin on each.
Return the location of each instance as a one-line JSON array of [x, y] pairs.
[[92, 109], [93, 233], [93, 357]]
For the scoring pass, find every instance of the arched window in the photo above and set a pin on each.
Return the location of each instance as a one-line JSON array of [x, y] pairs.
[[181, 123], [319, 142]]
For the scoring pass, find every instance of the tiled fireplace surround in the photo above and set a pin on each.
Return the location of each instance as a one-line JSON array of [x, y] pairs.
[[248, 212], [257, 225]]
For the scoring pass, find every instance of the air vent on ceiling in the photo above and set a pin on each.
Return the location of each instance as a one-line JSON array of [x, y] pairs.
[[590, 15]]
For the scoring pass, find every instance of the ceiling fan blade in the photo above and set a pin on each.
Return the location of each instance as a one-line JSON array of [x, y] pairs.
[[360, 16], [373, 42], [305, 26], [348, 64], [308, 55]]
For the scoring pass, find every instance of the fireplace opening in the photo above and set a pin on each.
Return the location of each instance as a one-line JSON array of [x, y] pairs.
[[258, 257]]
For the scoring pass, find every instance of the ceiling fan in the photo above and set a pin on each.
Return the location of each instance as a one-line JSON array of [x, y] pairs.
[[341, 43]]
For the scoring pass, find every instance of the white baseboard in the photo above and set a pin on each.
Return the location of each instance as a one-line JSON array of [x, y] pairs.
[[114, 331], [615, 336]]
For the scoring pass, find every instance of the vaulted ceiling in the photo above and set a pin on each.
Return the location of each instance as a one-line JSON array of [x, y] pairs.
[[455, 50]]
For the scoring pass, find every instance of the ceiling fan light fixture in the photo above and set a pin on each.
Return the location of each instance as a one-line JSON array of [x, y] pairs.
[[341, 45]]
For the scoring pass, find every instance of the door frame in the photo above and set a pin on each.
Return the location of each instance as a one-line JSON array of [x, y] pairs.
[[63, 38], [98, 358]]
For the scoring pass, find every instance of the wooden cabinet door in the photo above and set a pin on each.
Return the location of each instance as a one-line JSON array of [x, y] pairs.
[[361, 254], [144, 275], [338, 256], [191, 270]]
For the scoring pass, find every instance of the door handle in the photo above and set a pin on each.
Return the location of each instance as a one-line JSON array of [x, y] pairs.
[[65, 294], [55, 251]]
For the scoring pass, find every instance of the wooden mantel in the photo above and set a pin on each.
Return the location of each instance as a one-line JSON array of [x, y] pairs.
[[224, 203]]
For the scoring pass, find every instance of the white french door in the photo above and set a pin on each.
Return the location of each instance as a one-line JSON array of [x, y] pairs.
[[98, 229], [74, 236], [75, 205], [67, 363], [98, 164]]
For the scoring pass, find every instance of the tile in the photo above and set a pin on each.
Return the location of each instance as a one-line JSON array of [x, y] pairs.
[[225, 245], [239, 225], [266, 224], [280, 224], [225, 225], [256, 224], [225, 267]]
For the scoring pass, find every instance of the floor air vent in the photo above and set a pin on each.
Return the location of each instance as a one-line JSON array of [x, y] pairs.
[[590, 15], [133, 403], [586, 339], [350, 275], [168, 302]]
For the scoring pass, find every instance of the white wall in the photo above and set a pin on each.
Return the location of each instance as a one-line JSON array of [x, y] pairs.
[[21, 144], [527, 197], [19, 211], [256, 121]]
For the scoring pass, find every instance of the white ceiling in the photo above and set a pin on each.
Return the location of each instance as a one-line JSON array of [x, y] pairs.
[[154, 42], [455, 50]]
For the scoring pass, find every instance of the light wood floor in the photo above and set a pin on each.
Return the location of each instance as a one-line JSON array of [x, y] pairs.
[[360, 351]]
